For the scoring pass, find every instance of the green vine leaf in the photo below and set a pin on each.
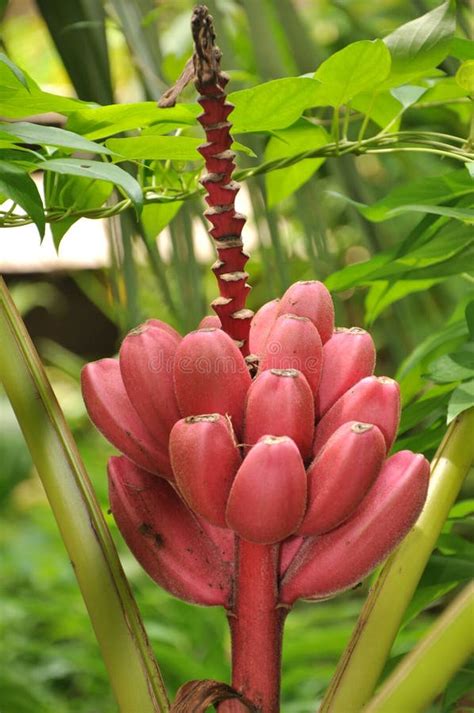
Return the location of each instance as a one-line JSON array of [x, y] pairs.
[[420, 45], [355, 69], [273, 105], [174, 148]]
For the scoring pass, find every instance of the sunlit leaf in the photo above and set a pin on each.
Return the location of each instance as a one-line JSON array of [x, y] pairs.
[[354, 69], [465, 76], [273, 105], [175, 148], [17, 185]]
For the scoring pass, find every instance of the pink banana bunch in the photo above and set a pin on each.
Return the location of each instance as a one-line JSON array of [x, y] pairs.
[[286, 447]]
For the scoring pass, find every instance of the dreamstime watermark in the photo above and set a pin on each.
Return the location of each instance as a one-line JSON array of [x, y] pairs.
[[276, 357]]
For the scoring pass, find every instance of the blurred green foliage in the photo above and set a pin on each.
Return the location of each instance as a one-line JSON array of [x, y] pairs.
[[409, 278]]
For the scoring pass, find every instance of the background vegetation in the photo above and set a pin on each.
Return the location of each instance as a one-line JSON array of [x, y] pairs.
[[389, 230]]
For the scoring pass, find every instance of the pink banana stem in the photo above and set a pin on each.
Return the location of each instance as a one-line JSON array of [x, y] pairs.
[[227, 224], [256, 625]]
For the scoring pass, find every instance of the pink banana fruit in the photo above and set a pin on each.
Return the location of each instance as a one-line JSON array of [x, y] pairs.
[[348, 357], [166, 537], [211, 376], [331, 563], [111, 410], [205, 459], [294, 343], [375, 399], [146, 365], [310, 299], [261, 324], [268, 497], [341, 475], [280, 403]]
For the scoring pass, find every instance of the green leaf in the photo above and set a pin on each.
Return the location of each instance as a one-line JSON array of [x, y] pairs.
[[17, 185], [384, 293], [431, 405], [461, 48], [421, 195], [408, 94], [469, 313], [357, 68], [98, 171], [74, 193], [156, 216], [420, 45], [99, 122], [381, 107], [175, 148], [461, 400], [50, 136], [457, 366], [16, 70], [465, 76], [273, 105], [302, 136], [461, 509]]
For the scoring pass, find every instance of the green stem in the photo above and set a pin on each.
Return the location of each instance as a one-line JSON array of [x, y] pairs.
[[424, 673], [364, 658], [132, 668]]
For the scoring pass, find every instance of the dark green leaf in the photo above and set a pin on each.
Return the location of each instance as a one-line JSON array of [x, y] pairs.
[[421, 195], [50, 136], [470, 319], [431, 405], [78, 31], [457, 366], [17, 185], [420, 45], [273, 105], [357, 68], [176, 148], [461, 400], [98, 171]]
